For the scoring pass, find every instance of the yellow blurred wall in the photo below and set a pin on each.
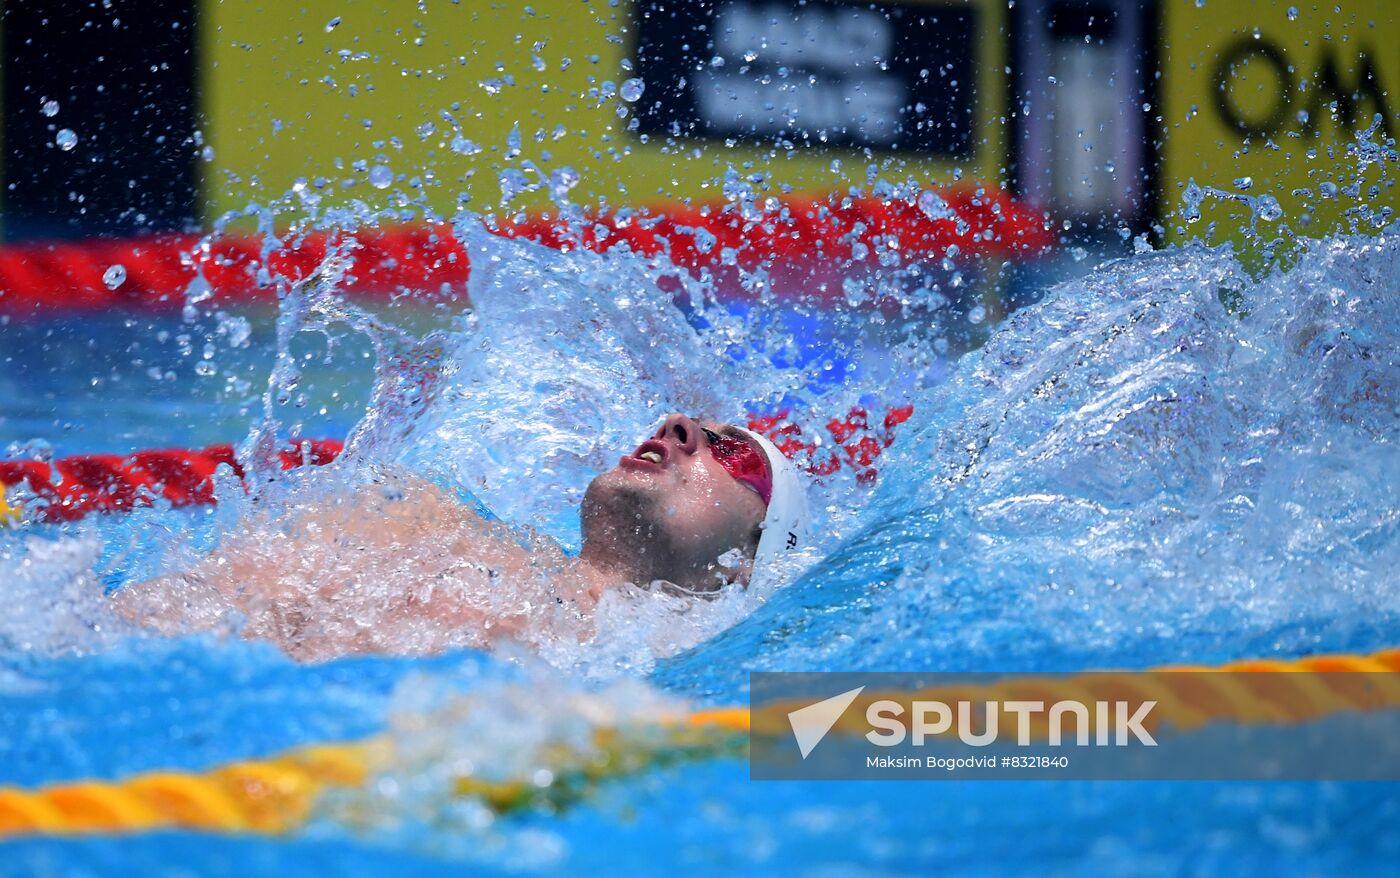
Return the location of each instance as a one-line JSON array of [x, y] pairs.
[[1235, 78], [287, 96]]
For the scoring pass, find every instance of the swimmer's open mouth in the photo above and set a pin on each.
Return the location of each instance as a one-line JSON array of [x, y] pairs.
[[651, 453]]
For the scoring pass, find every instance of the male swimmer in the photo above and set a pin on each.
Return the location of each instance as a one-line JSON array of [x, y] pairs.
[[399, 566]]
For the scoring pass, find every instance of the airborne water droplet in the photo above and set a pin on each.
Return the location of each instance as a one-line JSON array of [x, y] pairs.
[[1267, 208], [380, 176], [50, 108], [704, 240], [114, 276], [934, 207], [632, 90], [561, 181], [463, 146], [65, 139], [333, 24]]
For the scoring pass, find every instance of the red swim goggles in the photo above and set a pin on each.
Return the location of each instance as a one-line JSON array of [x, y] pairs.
[[742, 460]]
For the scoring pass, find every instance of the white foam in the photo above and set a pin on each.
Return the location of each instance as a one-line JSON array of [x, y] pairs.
[[54, 603]]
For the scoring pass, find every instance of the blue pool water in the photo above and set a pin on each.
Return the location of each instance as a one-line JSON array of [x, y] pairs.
[[1168, 460]]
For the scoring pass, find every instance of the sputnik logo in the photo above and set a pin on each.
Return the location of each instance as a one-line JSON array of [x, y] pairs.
[[811, 723]]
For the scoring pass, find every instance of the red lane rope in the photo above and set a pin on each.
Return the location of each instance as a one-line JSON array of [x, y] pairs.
[[851, 232], [856, 446], [73, 487]]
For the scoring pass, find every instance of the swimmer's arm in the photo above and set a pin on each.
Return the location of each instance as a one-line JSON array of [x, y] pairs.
[[395, 554]]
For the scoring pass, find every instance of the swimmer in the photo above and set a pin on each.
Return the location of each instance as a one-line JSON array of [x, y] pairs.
[[400, 566]]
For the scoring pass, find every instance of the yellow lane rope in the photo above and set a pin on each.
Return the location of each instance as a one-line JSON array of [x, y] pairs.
[[280, 794], [8, 514], [1187, 697], [262, 796]]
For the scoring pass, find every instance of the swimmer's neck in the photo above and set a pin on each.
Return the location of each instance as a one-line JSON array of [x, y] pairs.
[[601, 572], [606, 568], [609, 566], [594, 580]]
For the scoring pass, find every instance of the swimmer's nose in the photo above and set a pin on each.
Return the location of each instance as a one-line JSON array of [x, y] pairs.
[[682, 431]]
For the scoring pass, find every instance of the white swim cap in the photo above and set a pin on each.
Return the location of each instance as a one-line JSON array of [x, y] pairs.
[[785, 524]]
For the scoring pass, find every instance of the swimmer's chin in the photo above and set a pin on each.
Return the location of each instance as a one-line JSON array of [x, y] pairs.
[[621, 496]]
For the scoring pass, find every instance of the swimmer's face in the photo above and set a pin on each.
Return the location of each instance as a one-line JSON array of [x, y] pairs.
[[670, 509]]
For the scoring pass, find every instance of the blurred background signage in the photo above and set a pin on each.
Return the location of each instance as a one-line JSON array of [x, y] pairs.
[[888, 76], [166, 114], [1084, 91], [1266, 97], [320, 93]]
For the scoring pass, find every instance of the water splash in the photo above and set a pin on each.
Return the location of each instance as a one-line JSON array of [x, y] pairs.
[[58, 604], [565, 360], [525, 729], [552, 362], [1167, 461], [1363, 174]]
